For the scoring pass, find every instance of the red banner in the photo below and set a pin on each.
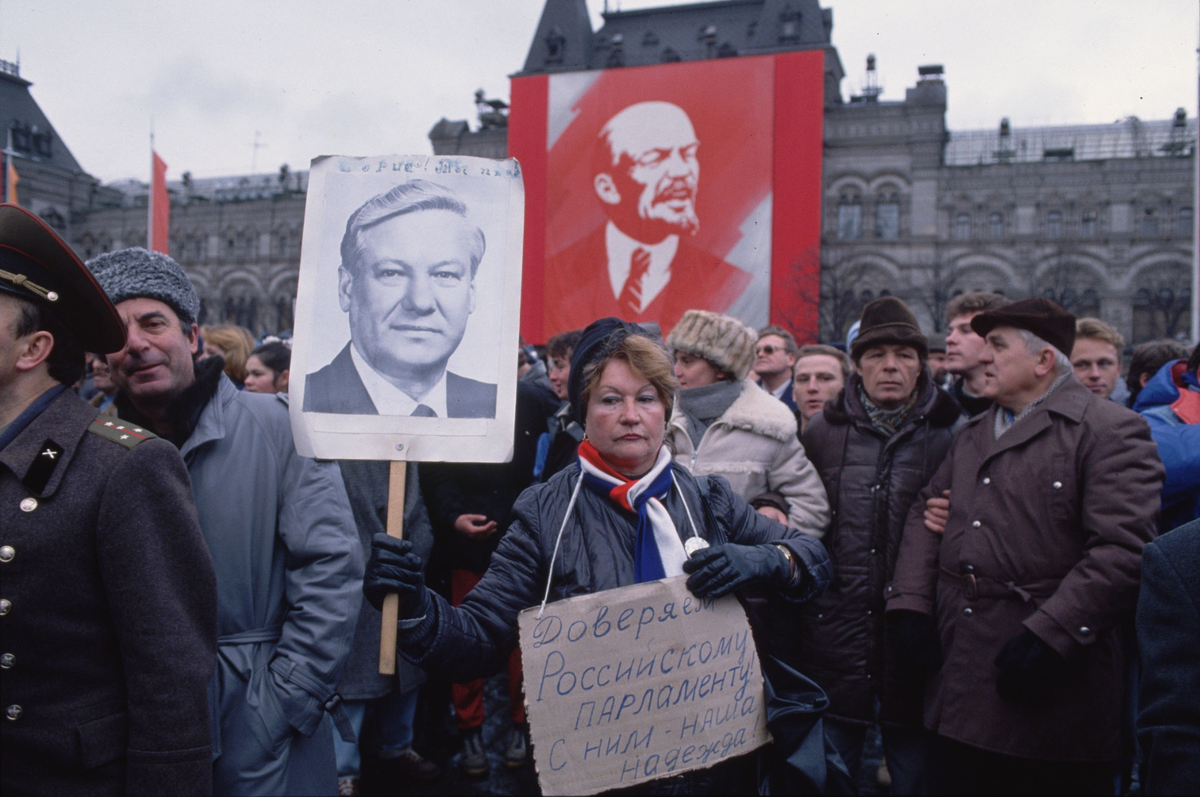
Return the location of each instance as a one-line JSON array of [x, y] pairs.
[[654, 190]]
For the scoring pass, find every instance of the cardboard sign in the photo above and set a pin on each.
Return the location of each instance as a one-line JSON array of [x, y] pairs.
[[407, 309], [642, 682]]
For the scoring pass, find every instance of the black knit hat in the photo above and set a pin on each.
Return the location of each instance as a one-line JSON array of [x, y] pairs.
[[888, 320], [1042, 317], [598, 340]]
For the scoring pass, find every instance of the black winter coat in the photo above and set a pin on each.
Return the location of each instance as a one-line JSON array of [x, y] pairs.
[[467, 488], [1168, 630], [872, 481], [109, 605]]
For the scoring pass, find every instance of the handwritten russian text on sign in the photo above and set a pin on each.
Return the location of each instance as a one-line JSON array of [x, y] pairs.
[[638, 683]]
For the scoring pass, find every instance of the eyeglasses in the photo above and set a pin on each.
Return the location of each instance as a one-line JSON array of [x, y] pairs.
[[768, 349]]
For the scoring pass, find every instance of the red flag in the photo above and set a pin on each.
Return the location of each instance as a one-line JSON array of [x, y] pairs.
[[13, 179], [159, 224]]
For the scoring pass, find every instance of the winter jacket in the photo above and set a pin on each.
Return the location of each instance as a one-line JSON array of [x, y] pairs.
[[1045, 534], [109, 606], [1168, 632], [753, 446], [1170, 402], [289, 585], [596, 553], [872, 480]]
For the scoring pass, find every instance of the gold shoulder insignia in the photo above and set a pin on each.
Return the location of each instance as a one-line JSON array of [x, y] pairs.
[[119, 431]]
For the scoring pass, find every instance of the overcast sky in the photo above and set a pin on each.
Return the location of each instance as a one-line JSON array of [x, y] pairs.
[[366, 78]]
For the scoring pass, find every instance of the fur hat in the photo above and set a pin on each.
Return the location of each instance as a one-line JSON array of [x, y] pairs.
[[725, 342], [1040, 316], [888, 320], [136, 273]]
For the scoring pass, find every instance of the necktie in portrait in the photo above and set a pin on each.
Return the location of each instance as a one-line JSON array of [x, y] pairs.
[[630, 300]]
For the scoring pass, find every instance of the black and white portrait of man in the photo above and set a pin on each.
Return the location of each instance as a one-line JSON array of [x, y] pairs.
[[407, 282]]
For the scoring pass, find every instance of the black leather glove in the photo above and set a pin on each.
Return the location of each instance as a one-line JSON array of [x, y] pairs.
[[915, 644], [1029, 670], [393, 567], [719, 570]]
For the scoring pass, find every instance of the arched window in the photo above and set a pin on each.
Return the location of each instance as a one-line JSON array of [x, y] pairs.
[[887, 215], [1149, 222], [849, 217], [996, 224], [1186, 220], [962, 226], [1054, 224], [1087, 223]]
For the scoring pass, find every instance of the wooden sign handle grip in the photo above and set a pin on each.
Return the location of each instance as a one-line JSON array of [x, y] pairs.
[[391, 603]]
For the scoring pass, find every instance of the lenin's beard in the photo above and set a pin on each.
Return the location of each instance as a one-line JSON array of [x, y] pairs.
[[647, 216]]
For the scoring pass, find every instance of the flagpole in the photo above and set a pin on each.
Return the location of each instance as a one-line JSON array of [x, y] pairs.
[[150, 195]]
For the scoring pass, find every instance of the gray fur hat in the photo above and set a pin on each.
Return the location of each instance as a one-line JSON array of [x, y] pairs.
[[136, 273], [721, 339]]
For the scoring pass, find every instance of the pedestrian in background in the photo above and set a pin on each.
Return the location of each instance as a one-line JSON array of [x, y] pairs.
[[1015, 611], [1147, 358], [268, 369], [774, 357], [278, 525], [558, 446], [1096, 358], [875, 446], [964, 348], [820, 374], [233, 344], [1170, 402], [726, 425], [108, 598]]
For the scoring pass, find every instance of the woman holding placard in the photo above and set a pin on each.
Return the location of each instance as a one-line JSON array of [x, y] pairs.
[[625, 515]]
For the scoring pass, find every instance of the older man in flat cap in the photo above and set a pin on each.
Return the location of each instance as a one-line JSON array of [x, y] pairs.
[[108, 596], [1015, 610]]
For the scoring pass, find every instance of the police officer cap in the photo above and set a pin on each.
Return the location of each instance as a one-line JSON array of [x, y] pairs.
[[37, 265]]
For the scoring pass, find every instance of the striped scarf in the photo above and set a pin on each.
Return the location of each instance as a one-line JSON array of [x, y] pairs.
[[658, 551]]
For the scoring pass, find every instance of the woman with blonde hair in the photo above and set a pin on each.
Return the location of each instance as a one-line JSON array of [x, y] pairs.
[[231, 342]]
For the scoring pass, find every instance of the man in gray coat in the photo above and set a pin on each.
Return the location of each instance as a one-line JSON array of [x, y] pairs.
[[1016, 610], [279, 526], [108, 597]]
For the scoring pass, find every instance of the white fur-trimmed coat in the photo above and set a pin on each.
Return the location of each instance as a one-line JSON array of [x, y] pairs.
[[754, 445]]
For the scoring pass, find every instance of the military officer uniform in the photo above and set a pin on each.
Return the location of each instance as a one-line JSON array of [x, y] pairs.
[[107, 591]]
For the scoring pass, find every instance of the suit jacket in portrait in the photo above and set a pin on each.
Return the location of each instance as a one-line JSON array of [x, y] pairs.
[[578, 288], [338, 388]]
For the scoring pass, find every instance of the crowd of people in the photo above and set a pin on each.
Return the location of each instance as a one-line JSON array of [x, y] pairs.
[[985, 544]]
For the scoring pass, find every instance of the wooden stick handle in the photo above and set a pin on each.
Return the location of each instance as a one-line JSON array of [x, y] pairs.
[[391, 603]]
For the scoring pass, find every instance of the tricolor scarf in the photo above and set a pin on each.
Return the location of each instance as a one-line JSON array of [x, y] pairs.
[[658, 551]]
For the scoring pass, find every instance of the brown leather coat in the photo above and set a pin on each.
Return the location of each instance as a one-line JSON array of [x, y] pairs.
[[1045, 533]]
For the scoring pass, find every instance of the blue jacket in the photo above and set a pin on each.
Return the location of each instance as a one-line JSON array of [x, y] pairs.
[[1178, 442]]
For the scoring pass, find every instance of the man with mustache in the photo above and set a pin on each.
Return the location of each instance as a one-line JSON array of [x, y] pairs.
[[641, 265], [407, 281]]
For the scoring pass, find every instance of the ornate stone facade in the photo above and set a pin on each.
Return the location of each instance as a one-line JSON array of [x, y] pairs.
[[1098, 217]]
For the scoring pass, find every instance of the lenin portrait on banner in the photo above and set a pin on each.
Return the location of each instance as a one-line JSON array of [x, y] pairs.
[[642, 265], [409, 258]]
